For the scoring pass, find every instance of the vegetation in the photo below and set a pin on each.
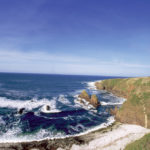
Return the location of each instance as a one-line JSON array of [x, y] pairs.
[[137, 92], [136, 108], [142, 144]]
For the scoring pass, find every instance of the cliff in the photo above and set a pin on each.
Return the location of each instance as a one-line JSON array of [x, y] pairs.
[[135, 110]]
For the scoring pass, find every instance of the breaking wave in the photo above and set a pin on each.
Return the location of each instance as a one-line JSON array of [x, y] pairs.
[[14, 135], [28, 104]]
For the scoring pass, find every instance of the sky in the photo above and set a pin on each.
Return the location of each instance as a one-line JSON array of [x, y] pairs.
[[85, 37]]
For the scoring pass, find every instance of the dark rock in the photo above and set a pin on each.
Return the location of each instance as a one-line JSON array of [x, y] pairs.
[[21, 110], [48, 108]]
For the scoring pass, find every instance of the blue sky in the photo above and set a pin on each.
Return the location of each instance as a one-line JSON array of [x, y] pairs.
[[93, 37]]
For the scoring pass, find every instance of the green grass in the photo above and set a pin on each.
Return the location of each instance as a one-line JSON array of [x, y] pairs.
[[142, 144], [135, 100], [146, 96], [137, 93], [138, 82]]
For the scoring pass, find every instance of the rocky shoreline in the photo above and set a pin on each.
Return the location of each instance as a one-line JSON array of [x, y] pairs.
[[118, 135], [54, 144], [115, 137], [63, 143]]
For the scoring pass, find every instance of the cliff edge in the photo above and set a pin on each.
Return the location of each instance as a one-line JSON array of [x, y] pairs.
[[135, 110]]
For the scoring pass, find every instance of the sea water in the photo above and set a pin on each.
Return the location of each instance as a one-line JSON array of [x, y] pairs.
[[32, 92]]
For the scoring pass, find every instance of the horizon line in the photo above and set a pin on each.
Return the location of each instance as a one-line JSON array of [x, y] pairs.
[[65, 74]]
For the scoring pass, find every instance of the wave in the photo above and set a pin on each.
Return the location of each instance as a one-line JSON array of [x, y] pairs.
[[91, 85], [14, 135], [85, 105], [33, 103], [113, 103], [1, 121], [63, 99], [27, 104]]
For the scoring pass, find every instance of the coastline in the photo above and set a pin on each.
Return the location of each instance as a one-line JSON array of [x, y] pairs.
[[63, 143], [114, 136]]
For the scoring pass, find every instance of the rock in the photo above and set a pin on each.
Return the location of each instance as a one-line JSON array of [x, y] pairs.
[[21, 110], [84, 95], [94, 101], [48, 107]]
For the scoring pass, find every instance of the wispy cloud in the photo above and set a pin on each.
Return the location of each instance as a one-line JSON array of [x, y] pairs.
[[44, 62]]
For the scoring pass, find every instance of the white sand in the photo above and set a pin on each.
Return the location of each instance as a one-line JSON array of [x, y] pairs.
[[116, 139]]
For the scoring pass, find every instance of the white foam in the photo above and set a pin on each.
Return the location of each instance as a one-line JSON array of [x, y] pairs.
[[63, 99], [113, 100], [113, 103], [109, 122], [44, 109], [27, 104], [91, 85], [1, 121], [13, 135], [84, 104]]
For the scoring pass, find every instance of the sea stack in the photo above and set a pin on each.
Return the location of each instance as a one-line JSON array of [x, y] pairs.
[[93, 100], [84, 95]]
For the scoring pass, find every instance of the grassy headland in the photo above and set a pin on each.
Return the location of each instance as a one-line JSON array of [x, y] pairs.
[[137, 92], [136, 109]]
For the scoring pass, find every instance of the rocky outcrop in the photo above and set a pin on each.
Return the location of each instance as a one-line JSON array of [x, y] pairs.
[[84, 95], [21, 110], [93, 99], [48, 108]]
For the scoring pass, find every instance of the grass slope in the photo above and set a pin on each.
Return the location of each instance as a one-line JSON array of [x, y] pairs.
[[137, 92], [142, 144], [136, 110]]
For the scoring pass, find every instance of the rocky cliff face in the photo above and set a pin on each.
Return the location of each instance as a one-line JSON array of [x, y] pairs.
[[93, 100], [137, 92]]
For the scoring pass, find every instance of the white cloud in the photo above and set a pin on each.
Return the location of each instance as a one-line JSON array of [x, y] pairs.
[[44, 62]]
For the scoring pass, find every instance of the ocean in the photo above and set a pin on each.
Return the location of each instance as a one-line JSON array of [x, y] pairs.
[[31, 92]]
